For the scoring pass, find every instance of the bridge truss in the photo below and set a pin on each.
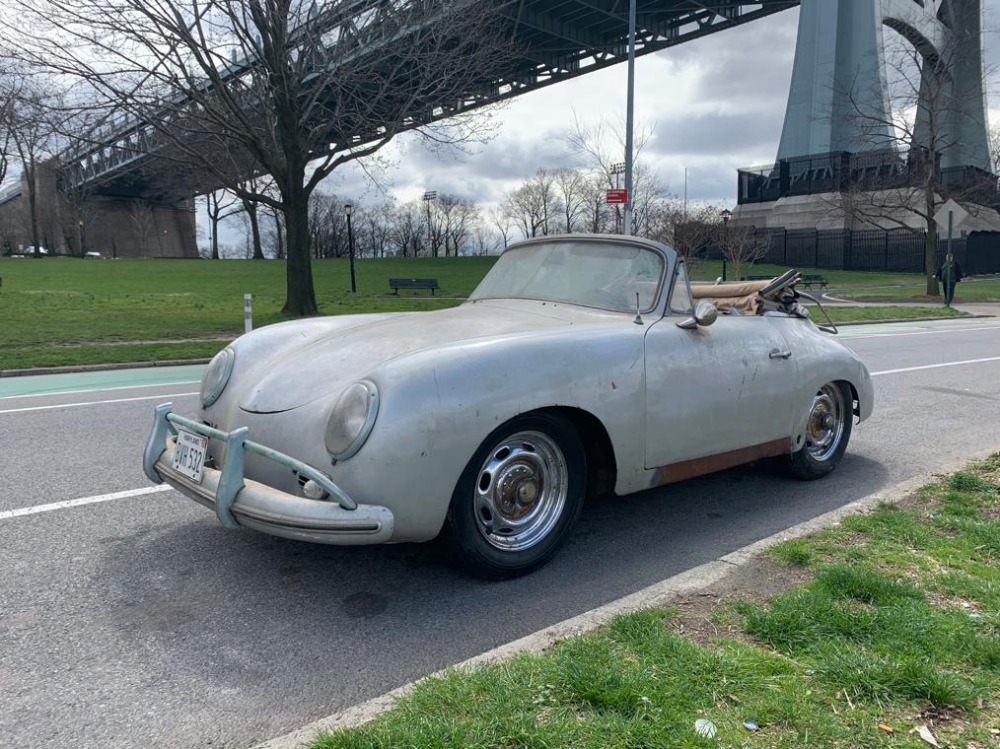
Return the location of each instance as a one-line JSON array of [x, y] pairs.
[[555, 40]]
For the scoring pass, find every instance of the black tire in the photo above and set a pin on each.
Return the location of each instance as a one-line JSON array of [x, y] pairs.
[[828, 430], [518, 497]]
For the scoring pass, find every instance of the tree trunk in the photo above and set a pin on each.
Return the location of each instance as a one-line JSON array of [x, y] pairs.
[[33, 207], [930, 260], [258, 250], [300, 295], [215, 237], [930, 240]]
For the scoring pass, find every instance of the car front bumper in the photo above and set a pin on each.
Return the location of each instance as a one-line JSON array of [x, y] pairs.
[[239, 501]]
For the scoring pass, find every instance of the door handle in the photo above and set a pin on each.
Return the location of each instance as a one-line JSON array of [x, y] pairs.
[[779, 354]]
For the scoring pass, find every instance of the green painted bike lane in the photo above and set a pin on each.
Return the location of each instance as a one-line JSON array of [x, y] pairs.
[[110, 379]]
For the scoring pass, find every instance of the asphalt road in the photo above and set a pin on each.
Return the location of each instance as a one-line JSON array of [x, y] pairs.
[[135, 620]]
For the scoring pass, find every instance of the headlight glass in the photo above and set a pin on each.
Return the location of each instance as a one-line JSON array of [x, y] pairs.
[[352, 419], [216, 376]]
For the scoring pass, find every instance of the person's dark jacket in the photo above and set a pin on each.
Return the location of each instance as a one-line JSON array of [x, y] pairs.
[[956, 272]]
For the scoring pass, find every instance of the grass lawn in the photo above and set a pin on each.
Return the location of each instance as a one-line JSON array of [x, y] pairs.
[[59, 311], [885, 632], [65, 311]]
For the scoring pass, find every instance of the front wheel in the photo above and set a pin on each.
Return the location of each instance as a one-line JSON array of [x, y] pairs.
[[828, 430], [518, 497]]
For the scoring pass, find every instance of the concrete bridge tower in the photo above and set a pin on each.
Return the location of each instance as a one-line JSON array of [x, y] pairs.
[[839, 99], [837, 137]]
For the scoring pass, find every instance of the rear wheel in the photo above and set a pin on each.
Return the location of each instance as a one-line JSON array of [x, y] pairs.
[[518, 497], [828, 430]]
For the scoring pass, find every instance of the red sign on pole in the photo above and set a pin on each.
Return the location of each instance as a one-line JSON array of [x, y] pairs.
[[617, 196]]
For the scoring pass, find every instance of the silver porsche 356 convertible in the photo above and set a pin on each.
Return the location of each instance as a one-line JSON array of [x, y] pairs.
[[581, 365]]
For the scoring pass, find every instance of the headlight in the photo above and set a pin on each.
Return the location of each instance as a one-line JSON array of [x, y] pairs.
[[216, 376], [352, 419]]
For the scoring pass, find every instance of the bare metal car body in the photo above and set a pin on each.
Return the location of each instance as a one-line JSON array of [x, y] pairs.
[[582, 364]]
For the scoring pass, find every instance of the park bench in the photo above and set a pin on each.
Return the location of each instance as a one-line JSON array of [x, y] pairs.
[[413, 283], [756, 278], [809, 280]]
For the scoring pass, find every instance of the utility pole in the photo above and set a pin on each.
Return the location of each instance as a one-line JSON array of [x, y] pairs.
[[629, 116]]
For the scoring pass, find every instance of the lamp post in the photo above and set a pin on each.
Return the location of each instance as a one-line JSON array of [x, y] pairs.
[[428, 197], [349, 209], [726, 214]]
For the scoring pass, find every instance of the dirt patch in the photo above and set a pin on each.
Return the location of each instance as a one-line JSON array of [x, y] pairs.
[[756, 581]]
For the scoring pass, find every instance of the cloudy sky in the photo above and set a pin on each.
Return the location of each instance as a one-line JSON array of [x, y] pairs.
[[714, 104]]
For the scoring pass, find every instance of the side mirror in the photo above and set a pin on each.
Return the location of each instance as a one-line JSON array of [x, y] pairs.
[[705, 313]]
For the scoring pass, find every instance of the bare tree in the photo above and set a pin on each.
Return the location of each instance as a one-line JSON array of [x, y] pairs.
[[602, 145], [376, 230], [31, 125], [573, 196], [739, 245], [534, 205], [689, 232], [483, 240], [8, 92], [288, 88], [219, 204], [501, 220], [327, 225], [458, 216], [143, 222], [407, 226]]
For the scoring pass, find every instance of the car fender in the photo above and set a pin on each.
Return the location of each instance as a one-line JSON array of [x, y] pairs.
[[822, 359], [437, 407]]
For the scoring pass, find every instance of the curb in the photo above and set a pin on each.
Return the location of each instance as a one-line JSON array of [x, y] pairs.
[[100, 367], [660, 594]]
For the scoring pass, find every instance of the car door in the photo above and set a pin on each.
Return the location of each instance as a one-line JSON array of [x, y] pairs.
[[716, 389]]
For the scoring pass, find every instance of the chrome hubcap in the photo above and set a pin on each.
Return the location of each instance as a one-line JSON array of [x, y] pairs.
[[825, 427], [521, 491]]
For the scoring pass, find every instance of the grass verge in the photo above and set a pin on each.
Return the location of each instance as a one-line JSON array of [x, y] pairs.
[[887, 634], [884, 314]]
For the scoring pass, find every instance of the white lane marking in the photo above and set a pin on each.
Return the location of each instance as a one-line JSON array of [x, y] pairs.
[[7, 514], [939, 331], [96, 403], [935, 366], [99, 390]]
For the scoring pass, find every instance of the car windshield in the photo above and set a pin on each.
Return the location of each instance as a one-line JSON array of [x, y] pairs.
[[607, 275]]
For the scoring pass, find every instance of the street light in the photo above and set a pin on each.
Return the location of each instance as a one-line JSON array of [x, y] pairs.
[[726, 214], [428, 197], [349, 209]]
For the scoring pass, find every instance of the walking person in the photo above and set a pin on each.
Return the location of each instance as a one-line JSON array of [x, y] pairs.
[[949, 274]]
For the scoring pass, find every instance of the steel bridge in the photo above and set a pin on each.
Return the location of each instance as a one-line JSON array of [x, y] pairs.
[[556, 40]]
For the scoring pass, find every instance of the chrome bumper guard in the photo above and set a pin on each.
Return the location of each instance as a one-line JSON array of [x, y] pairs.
[[239, 501]]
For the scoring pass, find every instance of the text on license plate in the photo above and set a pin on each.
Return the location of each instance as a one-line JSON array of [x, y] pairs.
[[189, 455]]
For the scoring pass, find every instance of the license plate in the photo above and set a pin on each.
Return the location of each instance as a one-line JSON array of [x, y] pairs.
[[189, 455]]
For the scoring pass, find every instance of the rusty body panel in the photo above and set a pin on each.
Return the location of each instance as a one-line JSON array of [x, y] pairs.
[[689, 469]]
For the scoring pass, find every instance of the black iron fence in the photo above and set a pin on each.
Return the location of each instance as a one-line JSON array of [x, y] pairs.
[[897, 250], [842, 171]]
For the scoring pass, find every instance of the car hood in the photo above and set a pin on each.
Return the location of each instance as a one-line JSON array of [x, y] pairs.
[[327, 362]]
